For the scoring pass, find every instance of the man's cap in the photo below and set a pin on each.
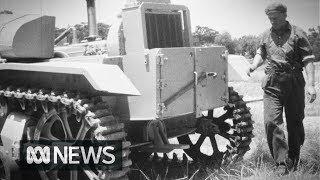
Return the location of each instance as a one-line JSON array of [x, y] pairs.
[[276, 7]]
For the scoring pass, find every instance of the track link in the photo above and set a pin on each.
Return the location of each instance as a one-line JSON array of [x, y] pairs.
[[94, 115]]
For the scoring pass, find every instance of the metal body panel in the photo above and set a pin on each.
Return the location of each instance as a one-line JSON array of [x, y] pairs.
[[132, 29], [212, 92], [103, 78], [27, 36], [97, 59], [141, 68], [12, 132], [113, 39], [176, 72], [192, 80]]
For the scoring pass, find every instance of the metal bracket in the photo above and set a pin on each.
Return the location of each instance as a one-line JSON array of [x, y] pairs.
[[147, 62], [161, 59], [161, 84], [224, 77], [161, 108], [196, 77], [211, 74]]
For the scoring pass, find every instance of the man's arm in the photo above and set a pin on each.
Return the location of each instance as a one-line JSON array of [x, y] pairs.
[[257, 61], [305, 50], [309, 69]]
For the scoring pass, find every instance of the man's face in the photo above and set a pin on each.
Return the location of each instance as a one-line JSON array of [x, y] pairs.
[[277, 19]]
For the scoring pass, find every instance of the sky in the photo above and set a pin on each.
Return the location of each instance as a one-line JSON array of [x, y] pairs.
[[238, 17]]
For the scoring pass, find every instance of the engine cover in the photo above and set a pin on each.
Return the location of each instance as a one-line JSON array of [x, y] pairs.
[[27, 37]]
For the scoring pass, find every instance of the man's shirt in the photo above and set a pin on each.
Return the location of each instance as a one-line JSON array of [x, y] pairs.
[[287, 46]]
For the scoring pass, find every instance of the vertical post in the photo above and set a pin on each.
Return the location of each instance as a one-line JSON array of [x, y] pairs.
[[92, 21], [195, 78]]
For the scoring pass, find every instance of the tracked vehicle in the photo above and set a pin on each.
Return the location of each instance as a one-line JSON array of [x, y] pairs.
[[143, 85]]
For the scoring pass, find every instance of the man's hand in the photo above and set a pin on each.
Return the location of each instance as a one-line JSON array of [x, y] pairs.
[[311, 93]]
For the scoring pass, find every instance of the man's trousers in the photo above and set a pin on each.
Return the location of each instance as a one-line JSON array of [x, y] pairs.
[[284, 91]]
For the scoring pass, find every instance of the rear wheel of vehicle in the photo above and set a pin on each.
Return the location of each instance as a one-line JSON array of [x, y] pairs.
[[234, 127]]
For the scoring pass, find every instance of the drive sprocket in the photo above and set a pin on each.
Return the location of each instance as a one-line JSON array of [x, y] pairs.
[[235, 125]]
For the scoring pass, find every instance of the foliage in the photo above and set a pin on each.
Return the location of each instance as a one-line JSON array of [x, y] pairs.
[[225, 39], [247, 45], [205, 35], [83, 31], [314, 39], [103, 30]]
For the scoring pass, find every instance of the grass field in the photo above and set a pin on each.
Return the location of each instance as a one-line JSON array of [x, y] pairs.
[[258, 163]]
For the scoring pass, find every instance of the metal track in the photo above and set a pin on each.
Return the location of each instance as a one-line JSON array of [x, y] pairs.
[[238, 133], [90, 112]]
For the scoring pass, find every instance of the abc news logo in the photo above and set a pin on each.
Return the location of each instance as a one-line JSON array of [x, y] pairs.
[[104, 155]]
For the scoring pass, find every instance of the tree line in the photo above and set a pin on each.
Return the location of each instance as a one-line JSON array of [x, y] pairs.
[[248, 44], [205, 36], [82, 31]]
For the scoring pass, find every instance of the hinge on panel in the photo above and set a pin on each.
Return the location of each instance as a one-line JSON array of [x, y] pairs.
[[161, 59], [161, 84], [147, 61], [224, 77], [160, 109]]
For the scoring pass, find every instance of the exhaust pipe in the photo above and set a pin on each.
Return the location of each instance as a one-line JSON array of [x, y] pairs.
[[92, 21]]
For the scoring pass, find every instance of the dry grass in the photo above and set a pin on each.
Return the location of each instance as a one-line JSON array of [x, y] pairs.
[[258, 164]]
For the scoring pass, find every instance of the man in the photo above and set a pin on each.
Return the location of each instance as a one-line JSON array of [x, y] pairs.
[[287, 51]]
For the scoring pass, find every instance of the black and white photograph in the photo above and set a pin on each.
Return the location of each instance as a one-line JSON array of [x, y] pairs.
[[159, 89]]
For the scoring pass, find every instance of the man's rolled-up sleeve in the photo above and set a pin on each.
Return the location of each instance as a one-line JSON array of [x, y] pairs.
[[304, 47]]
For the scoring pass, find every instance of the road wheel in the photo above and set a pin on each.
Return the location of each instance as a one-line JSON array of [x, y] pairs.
[[98, 123]]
